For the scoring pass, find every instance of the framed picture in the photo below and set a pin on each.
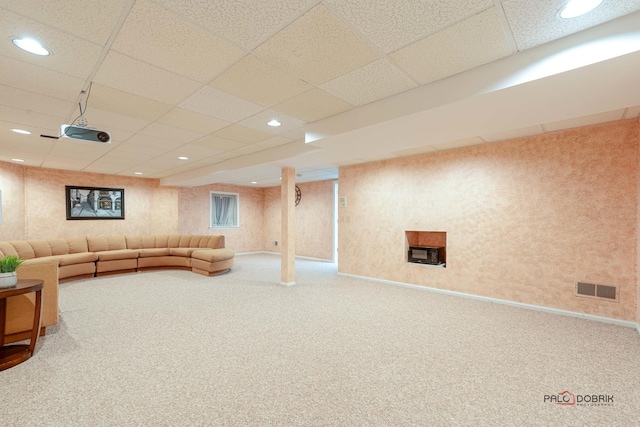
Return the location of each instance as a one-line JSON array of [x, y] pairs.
[[94, 202]]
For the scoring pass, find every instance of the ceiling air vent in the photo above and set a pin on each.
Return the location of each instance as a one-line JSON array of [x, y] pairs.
[[597, 291]]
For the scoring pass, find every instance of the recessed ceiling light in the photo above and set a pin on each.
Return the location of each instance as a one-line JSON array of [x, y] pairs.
[[183, 158], [253, 182], [21, 131], [575, 8], [274, 123], [31, 46], [17, 160], [137, 173]]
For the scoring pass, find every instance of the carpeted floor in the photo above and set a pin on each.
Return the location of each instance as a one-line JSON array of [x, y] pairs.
[[172, 348]]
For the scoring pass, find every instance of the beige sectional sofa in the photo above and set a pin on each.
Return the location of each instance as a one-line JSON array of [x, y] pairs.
[[60, 260]]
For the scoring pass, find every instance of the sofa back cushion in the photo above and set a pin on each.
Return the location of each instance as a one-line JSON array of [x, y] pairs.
[[7, 249], [58, 246], [214, 242], [78, 245], [23, 249], [40, 248], [101, 244]]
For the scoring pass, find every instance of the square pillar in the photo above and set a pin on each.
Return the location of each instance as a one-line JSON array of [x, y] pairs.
[[288, 227]]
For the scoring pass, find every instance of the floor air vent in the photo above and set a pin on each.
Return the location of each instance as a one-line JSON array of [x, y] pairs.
[[597, 291]]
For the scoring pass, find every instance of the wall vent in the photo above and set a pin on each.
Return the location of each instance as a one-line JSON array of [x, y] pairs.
[[597, 291]]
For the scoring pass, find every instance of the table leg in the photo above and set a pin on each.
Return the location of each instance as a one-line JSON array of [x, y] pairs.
[[37, 319], [3, 317]]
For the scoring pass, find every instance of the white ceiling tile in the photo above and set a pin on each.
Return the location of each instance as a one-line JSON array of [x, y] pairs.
[[259, 82], [632, 112], [216, 103], [608, 116], [313, 105], [513, 134], [141, 140], [184, 168], [372, 82], [175, 134], [391, 25], [123, 103], [227, 155], [458, 144], [274, 142], [89, 19], [536, 22], [69, 54], [468, 44], [22, 118], [244, 23], [106, 120], [142, 79], [37, 103], [216, 143], [413, 151], [122, 157], [157, 36], [304, 47], [259, 121], [186, 119], [194, 151], [239, 133], [248, 149], [39, 80]]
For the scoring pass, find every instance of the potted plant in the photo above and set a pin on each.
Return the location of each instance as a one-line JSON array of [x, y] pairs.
[[8, 267]]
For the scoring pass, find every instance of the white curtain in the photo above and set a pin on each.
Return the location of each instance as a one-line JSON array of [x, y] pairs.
[[224, 210]]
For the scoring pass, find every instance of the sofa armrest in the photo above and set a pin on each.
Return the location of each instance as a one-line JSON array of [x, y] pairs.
[[20, 308]]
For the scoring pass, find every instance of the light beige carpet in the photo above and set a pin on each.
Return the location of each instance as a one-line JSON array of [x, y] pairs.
[[172, 348]]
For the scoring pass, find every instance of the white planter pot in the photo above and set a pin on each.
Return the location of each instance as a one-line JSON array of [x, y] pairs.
[[8, 280]]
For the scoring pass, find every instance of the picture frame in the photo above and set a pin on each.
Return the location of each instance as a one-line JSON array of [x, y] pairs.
[[90, 203]]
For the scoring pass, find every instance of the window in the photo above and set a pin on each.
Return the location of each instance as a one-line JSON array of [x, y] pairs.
[[225, 210]]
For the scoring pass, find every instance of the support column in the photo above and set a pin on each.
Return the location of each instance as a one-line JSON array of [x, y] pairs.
[[288, 227]]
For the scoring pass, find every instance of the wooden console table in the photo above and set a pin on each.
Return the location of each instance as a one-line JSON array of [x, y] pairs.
[[12, 355]]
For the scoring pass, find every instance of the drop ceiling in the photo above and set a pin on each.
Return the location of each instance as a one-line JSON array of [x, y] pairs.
[[350, 81]]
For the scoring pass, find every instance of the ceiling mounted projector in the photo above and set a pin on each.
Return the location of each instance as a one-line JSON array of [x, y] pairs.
[[85, 134]]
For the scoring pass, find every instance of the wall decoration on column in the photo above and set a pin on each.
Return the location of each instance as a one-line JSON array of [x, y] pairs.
[[298, 195], [94, 202]]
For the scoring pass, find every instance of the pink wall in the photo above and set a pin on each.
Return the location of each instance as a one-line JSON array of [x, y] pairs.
[[13, 214], [34, 205], [524, 218], [193, 211], [314, 220]]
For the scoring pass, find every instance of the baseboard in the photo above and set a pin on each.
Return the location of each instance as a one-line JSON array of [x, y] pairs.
[[619, 322], [278, 254]]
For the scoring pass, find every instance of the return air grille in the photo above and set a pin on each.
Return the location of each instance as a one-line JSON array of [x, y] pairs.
[[597, 291]]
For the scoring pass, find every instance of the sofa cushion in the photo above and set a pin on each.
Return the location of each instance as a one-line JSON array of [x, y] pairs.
[[72, 259], [40, 248], [23, 249], [58, 246], [78, 245], [101, 244], [153, 252], [7, 249], [117, 254], [213, 255], [185, 252]]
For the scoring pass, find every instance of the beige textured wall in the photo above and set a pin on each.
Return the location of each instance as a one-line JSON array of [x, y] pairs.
[[524, 218], [314, 220], [12, 187], [149, 209], [193, 211], [638, 229]]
